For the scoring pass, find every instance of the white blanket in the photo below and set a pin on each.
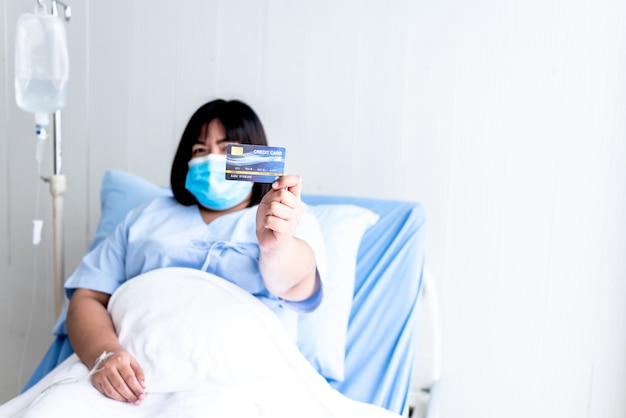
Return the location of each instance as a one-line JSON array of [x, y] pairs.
[[207, 348]]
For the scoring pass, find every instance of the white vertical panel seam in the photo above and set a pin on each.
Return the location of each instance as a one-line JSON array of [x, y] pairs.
[[6, 110], [265, 63], [602, 274], [263, 67], [309, 70], [218, 49], [404, 140], [88, 107], [177, 66], [358, 59], [131, 90]]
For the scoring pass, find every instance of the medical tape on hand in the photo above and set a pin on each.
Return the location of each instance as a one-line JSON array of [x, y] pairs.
[[95, 369], [101, 359]]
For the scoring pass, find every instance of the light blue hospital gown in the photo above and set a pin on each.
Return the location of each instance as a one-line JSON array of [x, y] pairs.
[[164, 233]]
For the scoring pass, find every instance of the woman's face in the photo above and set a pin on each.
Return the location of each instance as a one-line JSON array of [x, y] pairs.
[[212, 140], [206, 178]]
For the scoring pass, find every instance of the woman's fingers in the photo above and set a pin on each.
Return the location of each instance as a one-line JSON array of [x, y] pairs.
[[279, 212], [120, 378], [290, 182], [138, 374]]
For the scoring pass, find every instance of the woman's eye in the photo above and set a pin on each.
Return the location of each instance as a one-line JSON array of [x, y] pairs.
[[198, 151]]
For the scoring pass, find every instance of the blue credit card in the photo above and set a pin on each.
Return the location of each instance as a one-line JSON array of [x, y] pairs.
[[258, 163]]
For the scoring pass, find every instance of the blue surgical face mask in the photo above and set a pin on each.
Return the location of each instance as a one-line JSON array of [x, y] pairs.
[[206, 180]]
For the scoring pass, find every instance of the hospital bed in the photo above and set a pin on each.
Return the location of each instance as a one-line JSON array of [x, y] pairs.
[[368, 334]]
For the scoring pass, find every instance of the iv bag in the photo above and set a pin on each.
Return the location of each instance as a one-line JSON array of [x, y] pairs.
[[41, 63]]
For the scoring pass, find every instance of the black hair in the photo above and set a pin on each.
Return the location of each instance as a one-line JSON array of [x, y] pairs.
[[242, 125]]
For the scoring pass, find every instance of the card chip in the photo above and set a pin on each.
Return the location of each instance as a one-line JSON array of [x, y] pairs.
[[236, 150]]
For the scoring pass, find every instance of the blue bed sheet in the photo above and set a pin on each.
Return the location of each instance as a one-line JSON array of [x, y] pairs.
[[381, 339]]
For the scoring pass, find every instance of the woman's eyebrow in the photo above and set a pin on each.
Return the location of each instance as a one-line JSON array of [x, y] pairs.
[[221, 141]]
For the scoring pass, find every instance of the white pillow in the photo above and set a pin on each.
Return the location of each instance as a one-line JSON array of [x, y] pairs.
[[186, 327], [322, 333]]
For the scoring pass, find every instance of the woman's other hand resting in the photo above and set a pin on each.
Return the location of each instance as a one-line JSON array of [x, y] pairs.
[[92, 333]]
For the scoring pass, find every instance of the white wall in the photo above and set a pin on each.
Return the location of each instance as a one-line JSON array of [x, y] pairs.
[[505, 118]]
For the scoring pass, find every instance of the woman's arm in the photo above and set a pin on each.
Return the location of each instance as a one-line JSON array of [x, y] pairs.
[[91, 333], [287, 263]]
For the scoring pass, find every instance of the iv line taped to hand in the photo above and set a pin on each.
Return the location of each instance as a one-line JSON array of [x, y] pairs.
[[95, 369]]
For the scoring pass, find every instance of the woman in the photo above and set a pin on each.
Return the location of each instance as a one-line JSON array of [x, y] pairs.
[[278, 264]]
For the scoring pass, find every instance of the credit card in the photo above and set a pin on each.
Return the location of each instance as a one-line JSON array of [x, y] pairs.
[[257, 163]]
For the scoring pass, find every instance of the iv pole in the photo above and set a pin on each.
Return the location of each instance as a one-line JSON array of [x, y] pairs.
[[57, 190]]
